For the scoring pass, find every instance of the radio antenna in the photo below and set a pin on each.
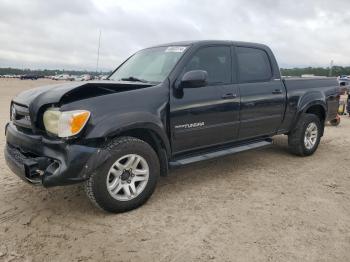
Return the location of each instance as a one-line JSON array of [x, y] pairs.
[[98, 51]]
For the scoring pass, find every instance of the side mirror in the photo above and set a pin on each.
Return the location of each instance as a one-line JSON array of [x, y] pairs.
[[194, 79]]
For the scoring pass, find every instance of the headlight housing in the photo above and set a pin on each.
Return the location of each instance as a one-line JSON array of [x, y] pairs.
[[65, 124], [12, 112]]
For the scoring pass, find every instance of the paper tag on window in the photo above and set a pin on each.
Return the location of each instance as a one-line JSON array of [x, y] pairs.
[[175, 49]]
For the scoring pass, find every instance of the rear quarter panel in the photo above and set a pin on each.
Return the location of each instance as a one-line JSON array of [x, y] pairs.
[[305, 92]]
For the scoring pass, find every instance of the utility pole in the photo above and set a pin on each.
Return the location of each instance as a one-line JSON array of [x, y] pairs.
[[98, 51], [331, 68]]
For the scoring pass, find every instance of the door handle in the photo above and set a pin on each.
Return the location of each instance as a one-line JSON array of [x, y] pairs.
[[229, 96], [277, 91]]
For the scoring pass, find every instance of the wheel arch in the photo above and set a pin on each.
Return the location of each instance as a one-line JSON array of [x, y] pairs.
[[312, 102], [160, 144], [317, 107]]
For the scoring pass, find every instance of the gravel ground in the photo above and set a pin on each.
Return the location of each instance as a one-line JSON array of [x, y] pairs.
[[261, 205]]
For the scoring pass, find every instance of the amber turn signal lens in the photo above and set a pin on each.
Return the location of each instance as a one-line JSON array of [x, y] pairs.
[[78, 121]]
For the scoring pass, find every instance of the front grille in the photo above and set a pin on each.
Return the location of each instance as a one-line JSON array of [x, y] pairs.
[[20, 116]]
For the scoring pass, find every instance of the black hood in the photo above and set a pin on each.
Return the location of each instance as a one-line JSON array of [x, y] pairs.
[[59, 94], [53, 94]]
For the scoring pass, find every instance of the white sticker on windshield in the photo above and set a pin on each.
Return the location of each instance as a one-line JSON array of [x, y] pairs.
[[175, 49]]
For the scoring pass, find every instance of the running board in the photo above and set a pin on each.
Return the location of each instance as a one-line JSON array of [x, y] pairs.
[[224, 152]]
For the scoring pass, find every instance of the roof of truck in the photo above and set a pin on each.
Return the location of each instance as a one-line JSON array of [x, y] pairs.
[[213, 42]]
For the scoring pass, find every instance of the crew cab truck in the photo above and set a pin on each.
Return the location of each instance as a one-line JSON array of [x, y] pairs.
[[164, 107]]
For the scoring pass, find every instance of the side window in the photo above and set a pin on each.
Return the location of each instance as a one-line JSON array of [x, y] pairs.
[[216, 61], [253, 65]]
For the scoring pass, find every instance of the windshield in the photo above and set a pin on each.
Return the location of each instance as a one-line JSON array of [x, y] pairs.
[[149, 65]]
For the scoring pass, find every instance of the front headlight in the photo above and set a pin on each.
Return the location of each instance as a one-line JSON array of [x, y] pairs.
[[65, 124], [12, 112]]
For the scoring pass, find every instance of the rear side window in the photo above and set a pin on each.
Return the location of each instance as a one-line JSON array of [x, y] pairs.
[[253, 64], [216, 60]]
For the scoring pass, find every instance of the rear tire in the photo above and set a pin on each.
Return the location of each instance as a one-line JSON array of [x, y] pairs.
[[305, 138], [127, 179]]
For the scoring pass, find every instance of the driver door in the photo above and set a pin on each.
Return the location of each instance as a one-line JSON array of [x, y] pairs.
[[208, 115]]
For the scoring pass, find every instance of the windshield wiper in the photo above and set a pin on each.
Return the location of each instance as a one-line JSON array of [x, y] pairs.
[[133, 79]]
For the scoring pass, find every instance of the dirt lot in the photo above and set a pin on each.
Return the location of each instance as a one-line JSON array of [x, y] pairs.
[[262, 205]]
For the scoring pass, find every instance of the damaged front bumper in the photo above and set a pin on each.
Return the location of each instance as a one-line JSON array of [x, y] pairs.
[[50, 162]]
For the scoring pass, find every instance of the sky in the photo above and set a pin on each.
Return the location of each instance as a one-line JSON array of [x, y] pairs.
[[61, 34]]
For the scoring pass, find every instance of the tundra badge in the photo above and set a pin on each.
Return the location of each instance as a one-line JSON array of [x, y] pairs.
[[192, 125]]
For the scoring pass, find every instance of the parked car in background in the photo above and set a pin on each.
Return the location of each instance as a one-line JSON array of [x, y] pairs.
[[344, 82], [344, 77], [11, 76], [65, 77], [70, 78], [78, 78], [101, 77], [31, 77], [56, 77], [85, 77]]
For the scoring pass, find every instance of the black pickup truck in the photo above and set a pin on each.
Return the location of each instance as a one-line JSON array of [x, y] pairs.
[[164, 107]]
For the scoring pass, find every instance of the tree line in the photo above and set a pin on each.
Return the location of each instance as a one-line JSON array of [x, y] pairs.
[[47, 72], [317, 71]]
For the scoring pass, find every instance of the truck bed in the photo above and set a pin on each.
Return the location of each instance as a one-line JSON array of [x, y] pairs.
[[311, 90], [310, 82]]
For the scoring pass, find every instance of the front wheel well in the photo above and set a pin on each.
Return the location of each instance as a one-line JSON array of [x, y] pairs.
[[154, 141]]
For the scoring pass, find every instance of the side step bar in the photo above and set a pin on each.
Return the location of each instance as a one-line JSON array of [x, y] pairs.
[[223, 152]]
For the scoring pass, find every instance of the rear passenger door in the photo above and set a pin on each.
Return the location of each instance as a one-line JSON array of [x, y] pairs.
[[262, 96]]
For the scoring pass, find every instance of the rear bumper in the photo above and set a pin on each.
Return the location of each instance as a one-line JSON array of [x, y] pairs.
[[39, 160]]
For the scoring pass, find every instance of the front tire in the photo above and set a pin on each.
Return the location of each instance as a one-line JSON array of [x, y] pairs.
[[127, 179], [306, 136]]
